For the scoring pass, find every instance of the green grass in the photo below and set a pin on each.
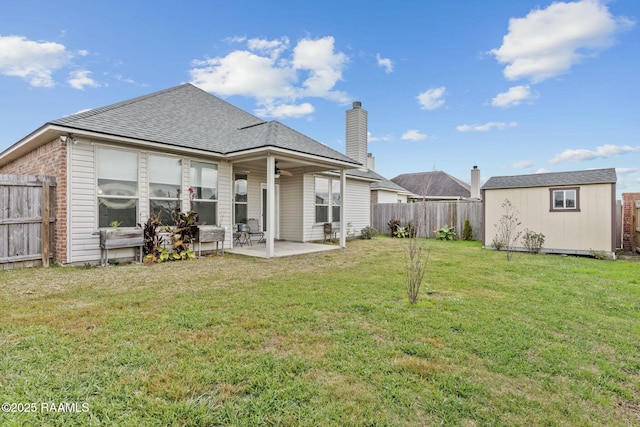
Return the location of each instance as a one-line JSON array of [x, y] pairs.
[[327, 339]]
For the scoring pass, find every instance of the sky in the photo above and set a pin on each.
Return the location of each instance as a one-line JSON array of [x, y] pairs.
[[514, 87]]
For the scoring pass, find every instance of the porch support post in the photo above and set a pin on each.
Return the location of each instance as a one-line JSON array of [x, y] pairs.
[[271, 205], [343, 219]]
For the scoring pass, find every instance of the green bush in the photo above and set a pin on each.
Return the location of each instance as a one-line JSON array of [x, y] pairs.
[[467, 231], [446, 233], [368, 233]]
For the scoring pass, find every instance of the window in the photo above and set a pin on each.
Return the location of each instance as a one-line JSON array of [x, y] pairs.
[[565, 199], [328, 199], [203, 178], [240, 198], [117, 187], [164, 187]]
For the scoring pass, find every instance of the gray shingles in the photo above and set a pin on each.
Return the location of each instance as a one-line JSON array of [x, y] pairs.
[[185, 116], [433, 184], [593, 176]]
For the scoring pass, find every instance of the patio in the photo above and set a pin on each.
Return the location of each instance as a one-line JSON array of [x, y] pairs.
[[282, 248]]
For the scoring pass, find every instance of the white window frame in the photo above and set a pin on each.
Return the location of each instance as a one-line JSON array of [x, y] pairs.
[[565, 191], [152, 197], [333, 202], [195, 199], [106, 197]]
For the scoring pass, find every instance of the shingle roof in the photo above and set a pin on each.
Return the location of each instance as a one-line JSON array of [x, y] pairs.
[[593, 176], [433, 184], [386, 184], [185, 116]]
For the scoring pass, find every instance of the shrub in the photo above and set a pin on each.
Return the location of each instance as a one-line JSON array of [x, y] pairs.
[[446, 233], [402, 232], [533, 241], [393, 227], [368, 233], [507, 233], [467, 231]]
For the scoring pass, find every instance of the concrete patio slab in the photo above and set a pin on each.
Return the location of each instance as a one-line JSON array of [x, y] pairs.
[[281, 248]]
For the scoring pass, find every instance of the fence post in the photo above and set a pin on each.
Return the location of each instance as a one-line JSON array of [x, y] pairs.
[[45, 223]]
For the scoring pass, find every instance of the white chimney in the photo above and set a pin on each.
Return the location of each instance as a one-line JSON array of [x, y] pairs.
[[475, 183], [357, 134], [371, 162]]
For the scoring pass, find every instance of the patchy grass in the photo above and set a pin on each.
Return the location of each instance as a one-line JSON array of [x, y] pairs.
[[327, 339]]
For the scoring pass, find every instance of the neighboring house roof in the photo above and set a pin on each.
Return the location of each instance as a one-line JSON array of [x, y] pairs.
[[433, 184], [594, 176], [388, 185], [188, 117]]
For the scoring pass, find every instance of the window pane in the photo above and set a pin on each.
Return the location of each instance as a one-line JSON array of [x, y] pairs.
[[322, 191], [117, 172], [165, 209], [164, 176], [570, 199], [322, 213], [335, 192], [241, 188], [558, 199], [335, 212], [241, 214], [122, 210], [207, 212], [204, 180]]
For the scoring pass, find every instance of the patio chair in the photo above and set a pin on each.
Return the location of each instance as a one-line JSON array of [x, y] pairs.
[[330, 233], [255, 232]]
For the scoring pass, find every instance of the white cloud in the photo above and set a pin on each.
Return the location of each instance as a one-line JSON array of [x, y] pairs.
[[385, 63], [486, 127], [522, 164], [79, 79], [514, 96], [414, 135], [548, 42], [542, 170], [384, 138], [275, 80], [33, 61], [432, 98], [624, 171], [603, 151], [286, 110]]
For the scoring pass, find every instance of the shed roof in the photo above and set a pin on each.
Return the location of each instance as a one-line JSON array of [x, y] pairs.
[[592, 176], [433, 184]]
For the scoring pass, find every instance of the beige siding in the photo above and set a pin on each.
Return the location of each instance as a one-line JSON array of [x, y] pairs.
[[571, 232], [83, 243], [357, 205], [390, 197], [291, 223]]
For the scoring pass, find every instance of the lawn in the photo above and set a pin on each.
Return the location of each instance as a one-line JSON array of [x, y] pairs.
[[325, 339]]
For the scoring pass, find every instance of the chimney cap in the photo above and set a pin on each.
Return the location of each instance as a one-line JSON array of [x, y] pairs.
[[357, 104], [475, 167]]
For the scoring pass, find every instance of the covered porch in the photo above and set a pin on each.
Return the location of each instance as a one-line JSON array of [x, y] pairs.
[[275, 187]]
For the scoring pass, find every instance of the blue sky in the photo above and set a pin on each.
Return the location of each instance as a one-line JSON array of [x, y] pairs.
[[515, 87]]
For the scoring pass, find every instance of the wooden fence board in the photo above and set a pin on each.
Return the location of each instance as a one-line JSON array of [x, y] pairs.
[[429, 216], [27, 217]]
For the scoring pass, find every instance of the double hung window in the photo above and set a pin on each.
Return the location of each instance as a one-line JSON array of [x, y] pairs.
[[328, 199], [165, 187], [203, 178], [117, 187]]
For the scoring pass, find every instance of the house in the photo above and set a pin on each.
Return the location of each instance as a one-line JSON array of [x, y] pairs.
[[575, 211], [184, 148], [439, 185]]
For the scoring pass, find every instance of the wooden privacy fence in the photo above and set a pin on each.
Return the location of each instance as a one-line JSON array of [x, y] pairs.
[[26, 220], [429, 216]]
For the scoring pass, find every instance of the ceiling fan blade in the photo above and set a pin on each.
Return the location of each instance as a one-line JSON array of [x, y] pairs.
[[285, 173]]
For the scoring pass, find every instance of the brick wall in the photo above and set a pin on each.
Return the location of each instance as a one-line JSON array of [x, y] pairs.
[[628, 200], [49, 159]]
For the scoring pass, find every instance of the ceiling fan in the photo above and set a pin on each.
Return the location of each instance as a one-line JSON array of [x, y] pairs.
[[282, 171]]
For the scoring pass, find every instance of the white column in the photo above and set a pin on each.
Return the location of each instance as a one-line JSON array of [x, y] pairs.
[[271, 205], [343, 219]]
